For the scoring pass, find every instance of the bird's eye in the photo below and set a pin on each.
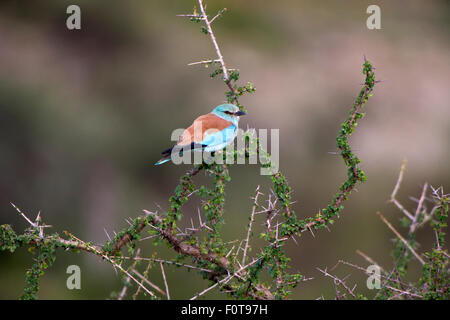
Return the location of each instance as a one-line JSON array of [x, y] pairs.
[[228, 112]]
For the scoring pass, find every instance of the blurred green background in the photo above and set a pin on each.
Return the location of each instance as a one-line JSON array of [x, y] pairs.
[[84, 115]]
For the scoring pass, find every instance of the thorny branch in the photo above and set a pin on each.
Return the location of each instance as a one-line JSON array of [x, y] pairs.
[[401, 238], [434, 282], [226, 76], [214, 260]]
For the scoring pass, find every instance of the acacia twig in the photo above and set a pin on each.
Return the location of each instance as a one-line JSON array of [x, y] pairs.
[[226, 76], [154, 286], [396, 188], [338, 281], [224, 280], [401, 238], [165, 280], [252, 219], [369, 259], [128, 279]]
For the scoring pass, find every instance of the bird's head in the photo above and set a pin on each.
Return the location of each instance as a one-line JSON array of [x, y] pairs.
[[228, 112]]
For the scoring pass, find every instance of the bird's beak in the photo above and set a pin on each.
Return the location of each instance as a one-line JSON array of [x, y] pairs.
[[240, 113]]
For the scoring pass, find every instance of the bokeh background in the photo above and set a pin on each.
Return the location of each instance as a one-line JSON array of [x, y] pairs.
[[84, 115]]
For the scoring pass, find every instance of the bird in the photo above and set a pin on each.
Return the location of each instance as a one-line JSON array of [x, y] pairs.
[[209, 133]]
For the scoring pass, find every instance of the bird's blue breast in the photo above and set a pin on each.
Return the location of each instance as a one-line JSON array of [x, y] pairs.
[[219, 140]]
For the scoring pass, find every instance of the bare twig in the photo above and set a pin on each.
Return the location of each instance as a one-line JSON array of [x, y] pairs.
[[226, 76], [203, 62], [368, 273], [224, 280], [399, 179], [415, 221], [34, 225], [170, 262], [396, 188], [128, 279], [90, 248], [338, 281], [400, 237], [154, 286], [195, 16], [165, 280], [147, 269], [221, 12], [213, 39], [252, 219], [369, 259], [403, 292]]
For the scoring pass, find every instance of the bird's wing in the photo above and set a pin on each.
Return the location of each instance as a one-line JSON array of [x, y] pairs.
[[204, 129], [219, 139]]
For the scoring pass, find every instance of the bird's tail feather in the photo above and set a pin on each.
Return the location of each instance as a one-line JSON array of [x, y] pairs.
[[167, 154], [166, 157], [163, 160]]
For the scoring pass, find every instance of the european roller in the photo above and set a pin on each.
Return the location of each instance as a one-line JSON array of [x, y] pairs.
[[209, 133]]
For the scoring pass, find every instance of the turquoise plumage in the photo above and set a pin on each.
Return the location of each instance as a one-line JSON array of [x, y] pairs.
[[211, 132]]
